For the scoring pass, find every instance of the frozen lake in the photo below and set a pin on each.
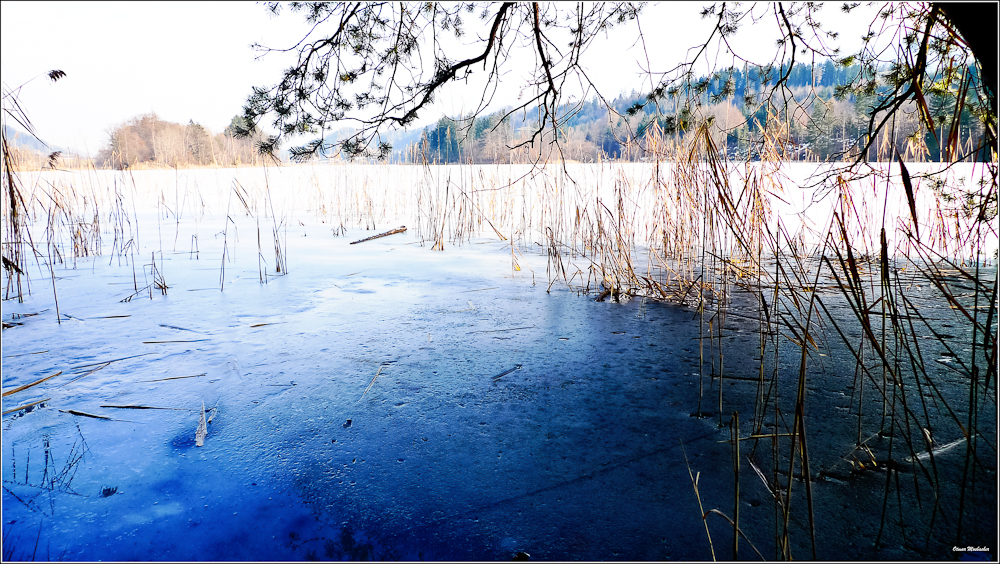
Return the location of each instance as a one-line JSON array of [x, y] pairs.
[[384, 401], [438, 459]]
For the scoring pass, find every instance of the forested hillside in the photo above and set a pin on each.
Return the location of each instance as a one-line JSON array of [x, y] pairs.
[[824, 118]]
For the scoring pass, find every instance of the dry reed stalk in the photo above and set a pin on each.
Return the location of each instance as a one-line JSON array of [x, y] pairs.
[[17, 240], [158, 281], [145, 407], [85, 414], [23, 354], [26, 406], [280, 247], [736, 529], [32, 384], [52, 272], [701, 508], [372, 383], [734, 430], [176, 378], [225, 251]]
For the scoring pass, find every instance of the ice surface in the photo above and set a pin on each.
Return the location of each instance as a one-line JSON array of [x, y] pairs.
[[564, 458]]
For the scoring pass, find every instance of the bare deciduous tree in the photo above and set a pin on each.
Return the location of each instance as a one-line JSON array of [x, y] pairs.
[[147, 139]]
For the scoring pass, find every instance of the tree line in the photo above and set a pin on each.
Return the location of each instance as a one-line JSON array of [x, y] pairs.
[[150, 141], [822, 119]]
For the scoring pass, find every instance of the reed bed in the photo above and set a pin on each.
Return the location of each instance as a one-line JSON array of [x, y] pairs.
[[887, 300]]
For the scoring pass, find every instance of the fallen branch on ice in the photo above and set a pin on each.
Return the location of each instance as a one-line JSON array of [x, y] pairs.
[[387, 233]]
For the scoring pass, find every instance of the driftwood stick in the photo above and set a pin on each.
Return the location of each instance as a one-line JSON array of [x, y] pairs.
[[387, 233]]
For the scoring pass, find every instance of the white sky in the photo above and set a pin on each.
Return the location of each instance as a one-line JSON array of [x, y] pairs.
[[192, 60]]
